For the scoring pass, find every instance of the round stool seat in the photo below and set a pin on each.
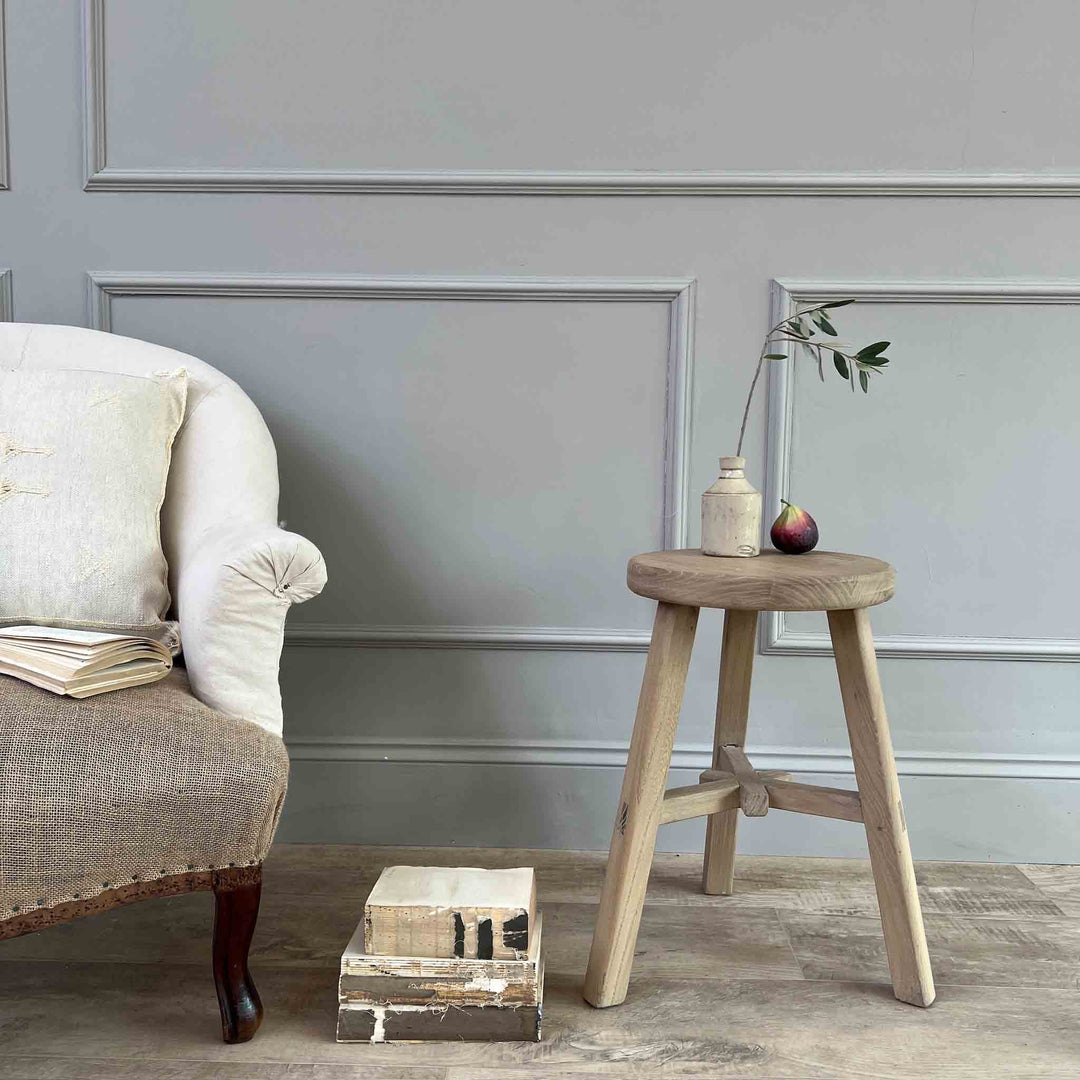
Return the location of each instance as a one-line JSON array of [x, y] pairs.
[[816, 581]]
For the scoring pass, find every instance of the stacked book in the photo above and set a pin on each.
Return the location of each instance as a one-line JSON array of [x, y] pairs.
[[80, 663], [444, 954]]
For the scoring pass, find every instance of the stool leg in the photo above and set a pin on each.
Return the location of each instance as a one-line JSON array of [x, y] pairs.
[[883, 813], [638, 816], [732, 710]]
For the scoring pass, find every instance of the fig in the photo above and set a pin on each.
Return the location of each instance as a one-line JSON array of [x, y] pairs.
[[794, 532]]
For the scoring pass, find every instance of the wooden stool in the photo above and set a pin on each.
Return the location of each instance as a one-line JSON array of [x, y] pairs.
[[683, 582]]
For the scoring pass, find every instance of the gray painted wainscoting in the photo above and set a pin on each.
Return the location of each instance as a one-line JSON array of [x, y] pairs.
[[496, 274]]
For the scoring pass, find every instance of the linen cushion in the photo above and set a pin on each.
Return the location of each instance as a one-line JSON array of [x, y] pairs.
[[127, 786], [84, 460]]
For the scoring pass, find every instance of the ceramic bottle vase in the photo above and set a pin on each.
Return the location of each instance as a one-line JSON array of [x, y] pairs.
[[731, 513]]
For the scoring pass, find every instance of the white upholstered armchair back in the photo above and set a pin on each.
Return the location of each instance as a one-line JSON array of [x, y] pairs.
[[233, 573]]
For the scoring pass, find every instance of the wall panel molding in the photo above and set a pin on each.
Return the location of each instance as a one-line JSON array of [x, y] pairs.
[[450, 182], [677, 294], [5, 152], [787, 296], [593, 754], [103, 176], [93, 88]]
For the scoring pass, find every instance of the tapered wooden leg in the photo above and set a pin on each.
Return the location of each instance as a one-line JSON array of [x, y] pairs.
[[732, 710], [638, 815], [882, 810], [237, 908]]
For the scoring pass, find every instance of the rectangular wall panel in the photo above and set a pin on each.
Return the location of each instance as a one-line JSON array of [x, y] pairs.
[[564, 96], [426, 431], [953, 467]]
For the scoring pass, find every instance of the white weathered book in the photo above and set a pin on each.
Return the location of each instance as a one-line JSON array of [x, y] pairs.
[[439, 911], [370, 980], [420, 998], [80, 663]]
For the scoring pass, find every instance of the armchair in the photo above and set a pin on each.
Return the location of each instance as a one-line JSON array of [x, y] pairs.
[[177, 786]]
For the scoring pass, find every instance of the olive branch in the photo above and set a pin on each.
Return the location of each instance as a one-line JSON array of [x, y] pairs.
[[800, 330]]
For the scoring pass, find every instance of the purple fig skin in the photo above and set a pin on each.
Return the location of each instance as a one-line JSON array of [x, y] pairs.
[[794, 532]]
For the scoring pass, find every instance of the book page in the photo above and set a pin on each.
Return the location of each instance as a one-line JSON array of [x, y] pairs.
[[55, 633]]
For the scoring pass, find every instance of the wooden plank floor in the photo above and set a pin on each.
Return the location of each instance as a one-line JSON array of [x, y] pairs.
[[787, 979]]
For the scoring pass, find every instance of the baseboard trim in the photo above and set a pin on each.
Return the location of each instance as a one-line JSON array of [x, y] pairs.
[[569, 639], [443, 751]]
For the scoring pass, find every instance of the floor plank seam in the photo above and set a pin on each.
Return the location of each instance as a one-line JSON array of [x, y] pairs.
[[1041, 890], [790, 943], [884, 982]]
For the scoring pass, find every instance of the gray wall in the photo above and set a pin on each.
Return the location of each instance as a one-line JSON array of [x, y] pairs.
[[496, 273]]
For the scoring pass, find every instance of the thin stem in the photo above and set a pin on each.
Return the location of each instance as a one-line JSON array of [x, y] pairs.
[[749, 398], [798, 314], [761, 360], [835, 346]]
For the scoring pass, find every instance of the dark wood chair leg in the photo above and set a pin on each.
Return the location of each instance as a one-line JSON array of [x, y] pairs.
[[237, 895]]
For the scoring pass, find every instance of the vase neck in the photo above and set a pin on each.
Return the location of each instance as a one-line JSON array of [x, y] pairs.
[[732, 479]]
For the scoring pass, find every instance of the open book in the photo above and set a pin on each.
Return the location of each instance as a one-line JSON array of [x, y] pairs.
[[80, 663]]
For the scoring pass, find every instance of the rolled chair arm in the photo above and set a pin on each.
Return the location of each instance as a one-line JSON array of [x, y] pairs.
[[232, 595]]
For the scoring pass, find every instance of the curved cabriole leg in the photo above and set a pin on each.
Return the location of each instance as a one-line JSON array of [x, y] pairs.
[[237, 896]]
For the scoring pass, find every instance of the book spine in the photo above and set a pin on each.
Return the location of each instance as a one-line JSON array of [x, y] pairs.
[[392, 990], [417, 1023]]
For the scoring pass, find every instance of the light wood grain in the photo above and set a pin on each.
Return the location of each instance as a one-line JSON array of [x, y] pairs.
[[814, 799], [786, 794], [825, 885], [816, 581], [698, 800], [155, 1018], [680, 941], [732, 712], [638, 814], [693, 940], [753, 798], [1059, 884], [882, 809], [118, 1068], [713, 995], [967, 951], [985, 890]]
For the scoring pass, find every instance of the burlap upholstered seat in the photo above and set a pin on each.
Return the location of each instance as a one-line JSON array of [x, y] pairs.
[[131, 786]]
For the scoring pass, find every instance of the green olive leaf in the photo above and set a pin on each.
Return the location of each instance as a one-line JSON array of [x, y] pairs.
[[873, 350]]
